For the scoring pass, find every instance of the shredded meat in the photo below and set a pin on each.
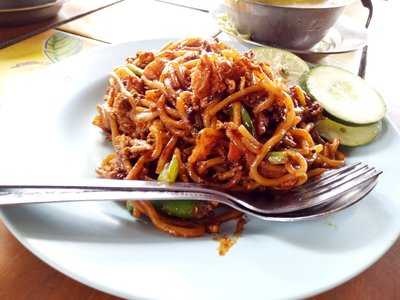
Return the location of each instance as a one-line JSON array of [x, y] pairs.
[[261, 123], [122, 108], [111, 167], [154, 69], [207, 138], [202, 209], [134, 83], [206, 81], [313, 113], [143, 58]]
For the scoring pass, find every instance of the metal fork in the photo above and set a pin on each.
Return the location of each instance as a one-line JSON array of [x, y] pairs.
[[321, 191], [334, 191]]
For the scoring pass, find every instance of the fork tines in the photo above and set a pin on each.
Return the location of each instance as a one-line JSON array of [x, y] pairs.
[[339, 181]]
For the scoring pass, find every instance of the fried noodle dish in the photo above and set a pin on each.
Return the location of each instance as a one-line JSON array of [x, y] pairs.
[[199, 111]]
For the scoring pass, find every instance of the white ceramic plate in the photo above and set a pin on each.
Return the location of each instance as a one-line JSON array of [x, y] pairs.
[[47, 133]]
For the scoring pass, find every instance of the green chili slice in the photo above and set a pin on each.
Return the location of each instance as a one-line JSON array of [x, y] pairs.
[[246, 120], [135, 69], [277, 157], [176, 208]]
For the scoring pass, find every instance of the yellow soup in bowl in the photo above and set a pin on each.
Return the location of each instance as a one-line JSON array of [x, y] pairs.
[[306, 3]]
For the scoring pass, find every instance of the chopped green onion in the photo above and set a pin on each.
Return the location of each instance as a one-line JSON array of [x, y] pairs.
[[176, 208], [129, 206], [246, 120], [135, 69], [277, 157], [170, 171]]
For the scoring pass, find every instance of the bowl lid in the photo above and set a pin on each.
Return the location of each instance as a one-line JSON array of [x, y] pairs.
[[18, 4]]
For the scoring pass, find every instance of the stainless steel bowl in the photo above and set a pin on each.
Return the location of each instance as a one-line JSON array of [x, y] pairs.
[[17, 4], [11, 17], [288, 27]]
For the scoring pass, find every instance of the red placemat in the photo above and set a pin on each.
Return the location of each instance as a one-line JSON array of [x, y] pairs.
[[71, 10]]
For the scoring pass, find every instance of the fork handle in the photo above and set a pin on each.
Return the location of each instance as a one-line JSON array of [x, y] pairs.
[[102, 189], [10, 196], [92, 184]]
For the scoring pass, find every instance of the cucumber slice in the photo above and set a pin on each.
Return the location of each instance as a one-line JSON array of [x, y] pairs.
[[286, 65], [351, 136], [344, 95]]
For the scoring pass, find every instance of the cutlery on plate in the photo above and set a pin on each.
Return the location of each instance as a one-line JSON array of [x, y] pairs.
[[331, 192]]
